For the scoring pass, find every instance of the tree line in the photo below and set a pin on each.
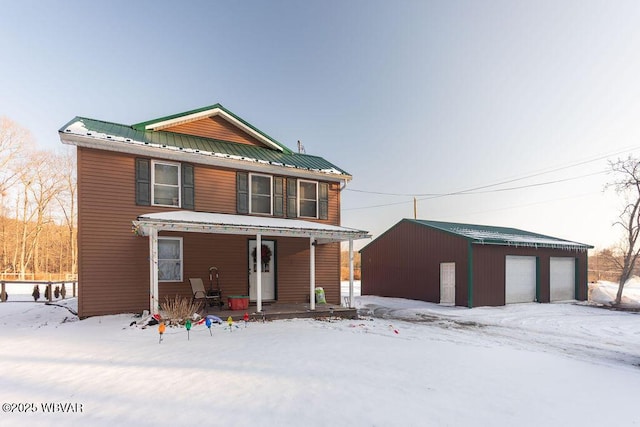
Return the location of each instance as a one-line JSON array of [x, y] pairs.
[[38, 210]]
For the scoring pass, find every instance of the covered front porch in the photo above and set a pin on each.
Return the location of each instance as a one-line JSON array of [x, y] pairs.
[[228, 231]]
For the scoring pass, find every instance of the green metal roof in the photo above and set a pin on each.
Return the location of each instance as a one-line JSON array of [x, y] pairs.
[[142, 126], [490, 235], [124, 134]]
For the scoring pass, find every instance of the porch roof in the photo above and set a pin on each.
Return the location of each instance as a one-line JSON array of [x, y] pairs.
[[215, 223]]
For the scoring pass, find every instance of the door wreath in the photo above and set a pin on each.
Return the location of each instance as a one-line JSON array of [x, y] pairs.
[[265, 254]]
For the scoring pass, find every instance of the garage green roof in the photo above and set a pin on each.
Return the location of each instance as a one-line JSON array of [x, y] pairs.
[[114, 136], [491, 235]]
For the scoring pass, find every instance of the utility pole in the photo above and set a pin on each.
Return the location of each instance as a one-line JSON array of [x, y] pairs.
[[415, 208]]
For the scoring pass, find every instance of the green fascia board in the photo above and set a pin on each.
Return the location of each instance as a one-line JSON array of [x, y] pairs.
[[487, 235], [115, 131], [142, 126]]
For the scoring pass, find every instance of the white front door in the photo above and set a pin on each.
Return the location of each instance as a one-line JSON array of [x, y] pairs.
[[267, 270], [448, 283]]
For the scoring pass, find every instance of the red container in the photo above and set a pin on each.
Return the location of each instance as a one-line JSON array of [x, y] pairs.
[[238, 302]]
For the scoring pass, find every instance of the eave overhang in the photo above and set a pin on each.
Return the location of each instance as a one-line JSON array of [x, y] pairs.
[[204, 222], [169, 152]]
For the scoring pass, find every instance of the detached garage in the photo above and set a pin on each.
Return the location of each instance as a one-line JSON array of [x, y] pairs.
[[473, 265]]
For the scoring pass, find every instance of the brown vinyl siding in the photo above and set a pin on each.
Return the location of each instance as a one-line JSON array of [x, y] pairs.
[[111, 259], [215, 189], [114, 263], [217, 128], [404, 262]]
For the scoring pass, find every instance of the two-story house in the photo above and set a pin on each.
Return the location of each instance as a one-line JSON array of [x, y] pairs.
[[165, 200]]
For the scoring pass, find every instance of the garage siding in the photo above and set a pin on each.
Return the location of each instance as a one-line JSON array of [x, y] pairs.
[[404, 262]]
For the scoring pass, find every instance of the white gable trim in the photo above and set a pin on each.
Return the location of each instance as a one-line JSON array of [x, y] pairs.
[[212, 113]]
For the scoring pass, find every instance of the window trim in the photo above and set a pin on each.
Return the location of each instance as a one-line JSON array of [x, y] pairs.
[[251, 212], [181, 259], [153, 182], [299, 199]]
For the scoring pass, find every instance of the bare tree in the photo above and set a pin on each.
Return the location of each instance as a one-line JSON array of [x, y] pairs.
[[40, 184], [14, 141], [38, 206], [67, 201], [627, 183]]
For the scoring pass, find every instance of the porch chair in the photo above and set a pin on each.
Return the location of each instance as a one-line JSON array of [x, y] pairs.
[[213, 297]]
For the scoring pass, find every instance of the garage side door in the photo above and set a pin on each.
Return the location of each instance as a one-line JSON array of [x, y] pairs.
[[562, 278], [520, 279]]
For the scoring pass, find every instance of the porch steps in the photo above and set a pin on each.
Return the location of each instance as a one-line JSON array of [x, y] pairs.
[[287, 311]]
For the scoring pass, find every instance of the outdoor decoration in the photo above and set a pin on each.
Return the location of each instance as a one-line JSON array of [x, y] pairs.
[[161, 329], [246, 318], [187, 325], [36, 293], [208, 323], [265, 254], [230, 322]]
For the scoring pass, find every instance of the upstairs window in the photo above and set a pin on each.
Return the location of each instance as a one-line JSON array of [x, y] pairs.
[[260, 197], [307, 199], [165, 179]]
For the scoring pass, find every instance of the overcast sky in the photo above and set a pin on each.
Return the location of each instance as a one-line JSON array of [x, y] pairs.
[[413, 98]]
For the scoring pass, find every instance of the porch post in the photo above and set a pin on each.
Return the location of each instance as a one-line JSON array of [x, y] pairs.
[[312, 274], [259, 268], [350, 273], [153, 271]]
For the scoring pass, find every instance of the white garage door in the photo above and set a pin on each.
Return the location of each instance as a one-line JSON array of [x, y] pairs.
[[520, 279], [562, 278]]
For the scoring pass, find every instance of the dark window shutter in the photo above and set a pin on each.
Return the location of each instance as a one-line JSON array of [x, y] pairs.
[[188, 187], [278, 196], [242, 192], [323, 198], [292, 198], [143, 182]]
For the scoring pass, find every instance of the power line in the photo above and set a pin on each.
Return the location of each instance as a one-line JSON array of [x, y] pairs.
[[472, 192], [542, 172]]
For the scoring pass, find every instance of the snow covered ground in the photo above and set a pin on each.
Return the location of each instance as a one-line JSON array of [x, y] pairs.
[[403, 363], [604, 292]]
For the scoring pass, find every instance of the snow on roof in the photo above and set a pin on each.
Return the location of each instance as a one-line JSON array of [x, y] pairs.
[[245, 224], [484, 234], [529, 240], [135, 138]]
